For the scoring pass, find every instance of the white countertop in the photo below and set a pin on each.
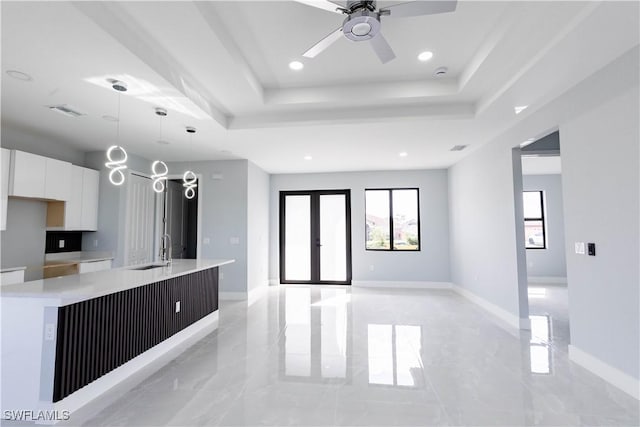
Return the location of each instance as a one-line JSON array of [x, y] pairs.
[[67, 290]]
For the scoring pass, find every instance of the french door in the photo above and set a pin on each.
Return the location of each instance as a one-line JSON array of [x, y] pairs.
[[315, 237]]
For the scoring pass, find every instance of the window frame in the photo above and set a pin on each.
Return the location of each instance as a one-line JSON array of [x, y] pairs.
[[541, 219], [390, 193]]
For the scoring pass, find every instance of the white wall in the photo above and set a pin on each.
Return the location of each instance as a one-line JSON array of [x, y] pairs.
[[549, 262], [257, 227], [23, 242], [224, 190], [598, 122], [431, 264], [600, 162]]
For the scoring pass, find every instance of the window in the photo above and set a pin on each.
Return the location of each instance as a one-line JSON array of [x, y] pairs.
[[534, 230], [392, 219]]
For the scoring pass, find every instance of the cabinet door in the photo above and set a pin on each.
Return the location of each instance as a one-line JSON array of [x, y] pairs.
[[73, 206], [58, 180], [28, 173], [90, 190], [6, 162]]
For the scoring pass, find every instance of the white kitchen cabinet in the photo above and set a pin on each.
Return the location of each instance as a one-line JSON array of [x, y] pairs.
[[88, 267], [90, 190], [58, 180], [39, 177], [73, 206], [6, 166], [28, 175], [80, 211]]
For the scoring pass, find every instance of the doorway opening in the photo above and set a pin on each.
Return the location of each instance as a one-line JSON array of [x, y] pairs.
[[315, 237], [179, 217], [544, 243]]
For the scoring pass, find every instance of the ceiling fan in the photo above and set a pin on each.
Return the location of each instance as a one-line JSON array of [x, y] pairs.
[[363, 21]]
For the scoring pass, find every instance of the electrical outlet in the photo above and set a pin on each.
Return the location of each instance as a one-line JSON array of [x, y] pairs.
[[371, 267], [234, 240], [177, 306], [95, 243], [61, 243], [591, 249], [221, 275], [206, 241], [49, 332]]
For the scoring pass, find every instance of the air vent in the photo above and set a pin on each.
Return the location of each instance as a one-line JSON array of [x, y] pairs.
[[66, 110], [458, 147]]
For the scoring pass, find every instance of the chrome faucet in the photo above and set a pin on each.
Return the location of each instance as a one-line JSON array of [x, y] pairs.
[[165, 251]]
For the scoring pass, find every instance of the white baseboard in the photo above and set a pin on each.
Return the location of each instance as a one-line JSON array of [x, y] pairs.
[[612, 375], [547, 279], [250, 297], [394, 284], [504, 315], [232, 296]]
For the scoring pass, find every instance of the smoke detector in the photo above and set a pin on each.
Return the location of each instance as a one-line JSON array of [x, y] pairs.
[[439, 72]]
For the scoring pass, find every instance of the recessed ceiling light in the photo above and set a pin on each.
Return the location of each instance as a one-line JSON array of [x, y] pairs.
[[520, 108], [110, 118], [403, 154], [19, 75], [296, 65], [308, 157], [425, 56]]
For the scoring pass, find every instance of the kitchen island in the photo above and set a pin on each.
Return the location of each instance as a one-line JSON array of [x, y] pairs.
[[67, 340]]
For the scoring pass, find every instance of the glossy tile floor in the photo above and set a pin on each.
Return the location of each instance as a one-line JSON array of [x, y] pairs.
[[326, 355]]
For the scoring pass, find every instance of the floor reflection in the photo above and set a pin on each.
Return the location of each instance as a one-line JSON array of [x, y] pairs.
[[540, 344], [394, 355], [316, 324]]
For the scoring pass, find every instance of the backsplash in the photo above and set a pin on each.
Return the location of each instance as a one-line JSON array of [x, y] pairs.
[[63, 241]]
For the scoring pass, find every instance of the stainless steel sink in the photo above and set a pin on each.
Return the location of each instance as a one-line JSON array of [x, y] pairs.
[[148, 267]]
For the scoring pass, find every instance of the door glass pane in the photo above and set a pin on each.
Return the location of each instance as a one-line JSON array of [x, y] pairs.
[[405, 219], [298, 237], [377, 216], [333, 229], [298, 332]]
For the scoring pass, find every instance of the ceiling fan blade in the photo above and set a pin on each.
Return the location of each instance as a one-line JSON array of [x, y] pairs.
[[382, 48], [417, 8], [322, 4], [323, 44]]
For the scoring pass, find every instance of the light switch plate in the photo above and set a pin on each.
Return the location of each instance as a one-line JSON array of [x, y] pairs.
[[177, 306], [61, 243], [579, 248], [49, 332]]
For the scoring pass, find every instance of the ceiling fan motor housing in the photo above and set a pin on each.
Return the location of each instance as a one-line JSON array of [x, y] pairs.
[[361, 25]]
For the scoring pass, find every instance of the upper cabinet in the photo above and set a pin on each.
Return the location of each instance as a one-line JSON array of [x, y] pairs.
[[6, 162], [80, 212], [90, 189], [39, 177]]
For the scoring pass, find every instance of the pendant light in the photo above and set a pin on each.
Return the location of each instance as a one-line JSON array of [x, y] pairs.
[[159, 169], [118, 163], [189, 179]]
